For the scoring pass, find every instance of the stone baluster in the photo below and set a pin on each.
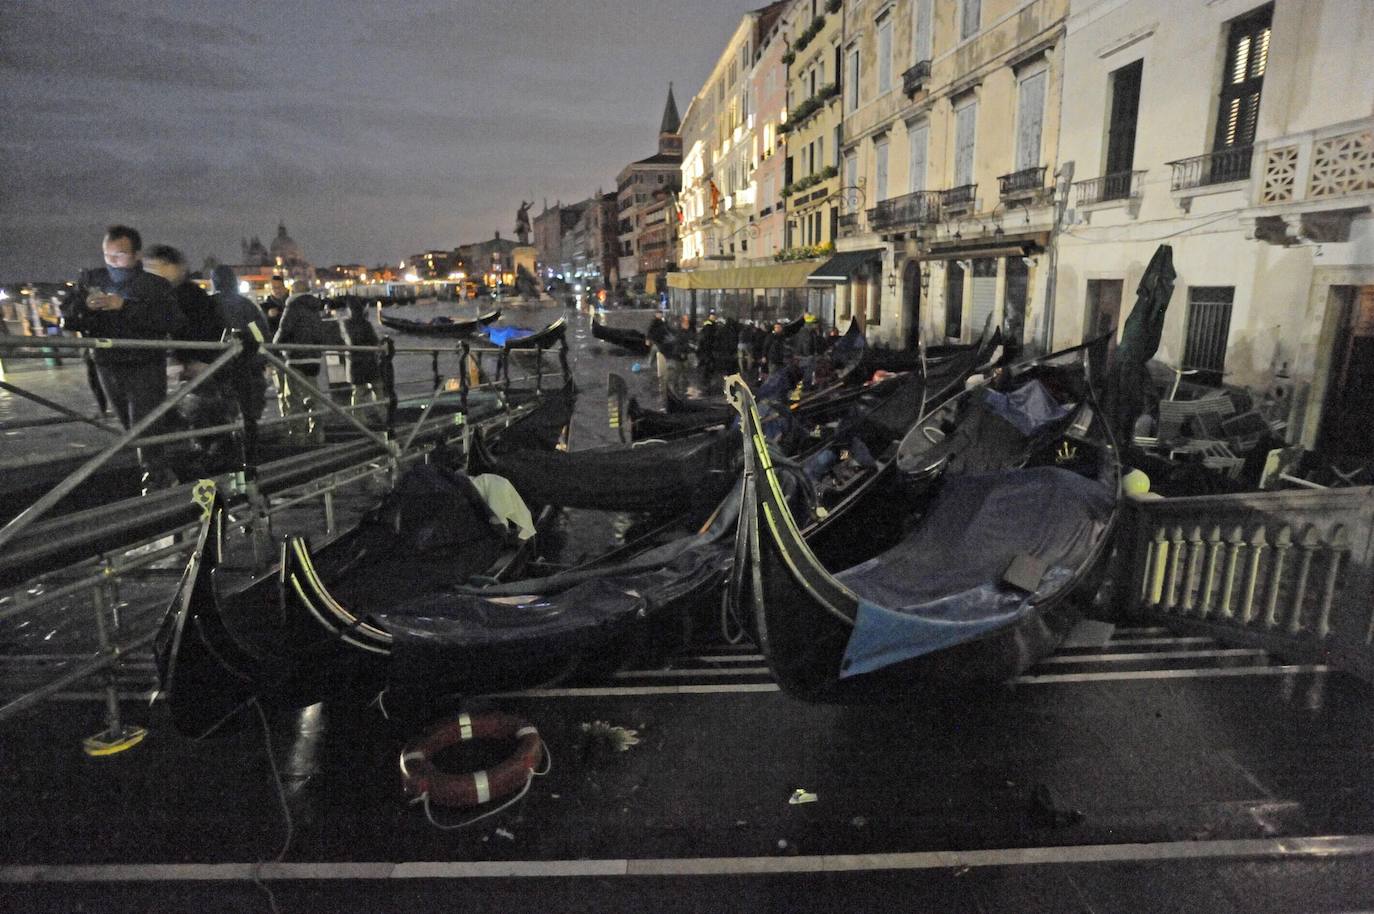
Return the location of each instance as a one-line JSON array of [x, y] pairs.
[[1282, 543], [1308, 546], [1235, 545], [1171, 598], [1209, 580], [1338, 544], [1258, 544], [1196, 550], [1159, 556]]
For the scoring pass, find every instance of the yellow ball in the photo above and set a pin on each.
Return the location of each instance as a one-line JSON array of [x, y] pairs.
[[1135, 483]]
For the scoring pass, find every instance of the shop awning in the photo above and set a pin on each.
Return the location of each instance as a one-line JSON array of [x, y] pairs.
[[773, 276], [844, 265]]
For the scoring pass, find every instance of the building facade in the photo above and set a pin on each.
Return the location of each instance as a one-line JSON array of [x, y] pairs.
[[1255, 162], [638, 187], [768, 82], [815, 36], [949, 155]]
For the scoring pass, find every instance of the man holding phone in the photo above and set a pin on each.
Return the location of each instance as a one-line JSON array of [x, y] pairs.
[[121, 301]]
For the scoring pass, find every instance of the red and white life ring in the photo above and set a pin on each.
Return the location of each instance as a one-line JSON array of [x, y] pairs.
[[420, 776]]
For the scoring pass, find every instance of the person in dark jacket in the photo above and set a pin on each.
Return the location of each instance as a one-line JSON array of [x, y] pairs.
[[301, 324], [808, 346], [364, 368], [774, 351], [275, 303], [124, 302], [200, 320], [706, 346], [239, 312]]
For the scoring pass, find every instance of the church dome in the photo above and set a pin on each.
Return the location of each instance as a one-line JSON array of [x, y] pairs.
[[284, 247]]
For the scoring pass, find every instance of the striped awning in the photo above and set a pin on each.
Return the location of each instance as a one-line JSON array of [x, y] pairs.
[[773, 276]]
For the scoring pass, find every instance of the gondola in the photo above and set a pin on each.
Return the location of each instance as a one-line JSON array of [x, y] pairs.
[[1011, 495], [633, 341], [441, 326]]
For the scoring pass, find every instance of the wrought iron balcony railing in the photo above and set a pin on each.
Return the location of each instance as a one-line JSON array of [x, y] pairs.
[[958, 198], [915, 77], [1121, 185], [920, 208], [1023, 182], [1217, 167]]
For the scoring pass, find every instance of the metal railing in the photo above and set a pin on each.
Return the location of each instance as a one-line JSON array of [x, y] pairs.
[[1217, 167], [1121, 185], [1025, 181], [137, 534], [915, 76], [958, 198], [920, 208], [1291, 571]]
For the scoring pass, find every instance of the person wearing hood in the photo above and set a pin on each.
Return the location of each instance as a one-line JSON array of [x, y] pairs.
[[122, 301], [301, 324], [238, 312]]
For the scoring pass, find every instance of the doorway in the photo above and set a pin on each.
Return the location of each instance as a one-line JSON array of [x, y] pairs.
[[1104, 310], [911, 302], [1346, 434]]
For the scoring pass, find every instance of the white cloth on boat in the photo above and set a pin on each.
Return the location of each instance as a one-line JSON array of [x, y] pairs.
[[505, 502]]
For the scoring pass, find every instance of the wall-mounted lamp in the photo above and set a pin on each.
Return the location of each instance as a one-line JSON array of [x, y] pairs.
[[925, 280], [892, 282], [965, 265], [1028, 261]]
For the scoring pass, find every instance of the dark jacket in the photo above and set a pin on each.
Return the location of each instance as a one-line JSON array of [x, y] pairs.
[[200, 319], [268, 305], [238, 312], [301, 323], [150, 312], [775, 350], [808, 340], [363, 367]]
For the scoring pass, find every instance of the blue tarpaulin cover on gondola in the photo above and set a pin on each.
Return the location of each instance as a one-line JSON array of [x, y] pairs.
[[1029, 407], [942, 585]]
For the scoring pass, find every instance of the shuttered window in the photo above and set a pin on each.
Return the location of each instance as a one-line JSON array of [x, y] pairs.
[[917, 137], [885, 54], [921, 30], [968, 22], [1121, 130], [1030, 115], [965, 118], [1247, 55], [880, 169], [854, 79], [851, 171]]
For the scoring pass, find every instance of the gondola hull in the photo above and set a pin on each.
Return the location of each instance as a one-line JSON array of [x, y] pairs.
[[976, 591], [440, 326]]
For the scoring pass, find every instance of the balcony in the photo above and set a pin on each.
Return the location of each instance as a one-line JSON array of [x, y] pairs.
[[1312, 185], [959, 199], [1122, 185], [1028, 182], [1219, 167], [915, 77], [921, 208]]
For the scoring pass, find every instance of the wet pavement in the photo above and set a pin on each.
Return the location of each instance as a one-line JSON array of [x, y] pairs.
[[1135, 770]]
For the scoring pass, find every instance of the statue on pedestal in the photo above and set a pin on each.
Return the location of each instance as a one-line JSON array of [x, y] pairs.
[[522, 223]]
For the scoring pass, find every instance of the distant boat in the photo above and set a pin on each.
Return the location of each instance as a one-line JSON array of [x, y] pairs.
[[441, 326], [622, 337]]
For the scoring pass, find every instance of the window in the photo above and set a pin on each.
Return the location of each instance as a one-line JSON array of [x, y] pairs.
[[1030, 113], [819, 161], [885, 54], [984, 293], [1014, 301], [811, 81], [917, 136], [965, 121], [839, 135], [851, 170], [1104, 308], [854, 79], [954, 300], [1121, 130], [1209, 325], [880, 169], [1247, 54], [922, 15], [968, 21]]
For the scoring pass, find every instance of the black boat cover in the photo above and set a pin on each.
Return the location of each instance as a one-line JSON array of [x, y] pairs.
[[646, 477], [932, 590]]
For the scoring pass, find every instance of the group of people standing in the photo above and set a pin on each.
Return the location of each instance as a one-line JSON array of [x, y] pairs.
[[755, 349], [140, 295]]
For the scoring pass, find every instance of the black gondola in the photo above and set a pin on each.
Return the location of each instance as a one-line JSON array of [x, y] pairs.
[[441, 326], [633, 341], [1013, 495]]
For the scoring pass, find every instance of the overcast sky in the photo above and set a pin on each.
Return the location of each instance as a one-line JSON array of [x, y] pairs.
[[374, 130]]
